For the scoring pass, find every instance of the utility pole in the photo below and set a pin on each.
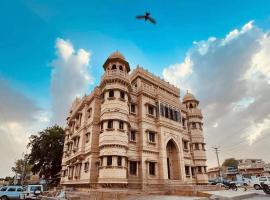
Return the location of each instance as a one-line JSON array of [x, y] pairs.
[[216, 150]]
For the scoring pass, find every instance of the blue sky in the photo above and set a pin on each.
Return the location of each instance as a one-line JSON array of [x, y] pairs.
[[229, 73], [30, 28]]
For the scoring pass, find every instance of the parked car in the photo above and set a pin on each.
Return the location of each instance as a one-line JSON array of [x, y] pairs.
[[219, 181], [31, 192], [10, 192], [256, 184]]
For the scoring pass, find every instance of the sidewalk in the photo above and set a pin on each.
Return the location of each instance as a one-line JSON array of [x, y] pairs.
[[235, 195]]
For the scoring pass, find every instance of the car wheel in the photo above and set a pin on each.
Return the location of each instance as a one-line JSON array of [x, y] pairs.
[[257, 187], [4, 198]]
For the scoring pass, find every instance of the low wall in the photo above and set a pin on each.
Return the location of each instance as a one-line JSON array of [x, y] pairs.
[[122, 194]]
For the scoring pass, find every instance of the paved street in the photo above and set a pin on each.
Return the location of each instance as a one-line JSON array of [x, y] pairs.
[[162, 197]]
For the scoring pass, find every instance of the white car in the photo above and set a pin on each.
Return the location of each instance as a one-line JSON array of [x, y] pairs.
[[31, 192], [10, 192], [257, 183]]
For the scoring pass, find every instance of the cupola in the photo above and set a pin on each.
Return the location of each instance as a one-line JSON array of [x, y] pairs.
[[116, 61]]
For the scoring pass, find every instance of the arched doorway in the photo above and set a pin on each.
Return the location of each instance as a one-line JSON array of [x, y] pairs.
[[172, 161]]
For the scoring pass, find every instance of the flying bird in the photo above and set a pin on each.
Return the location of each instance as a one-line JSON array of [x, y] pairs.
[[146, 17]]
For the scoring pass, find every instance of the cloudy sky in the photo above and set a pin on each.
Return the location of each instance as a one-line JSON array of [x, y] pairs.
[[219, 50]]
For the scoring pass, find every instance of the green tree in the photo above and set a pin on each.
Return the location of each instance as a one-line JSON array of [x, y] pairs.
[[230, 162], [9, 180], [22, 168], [46, 151]]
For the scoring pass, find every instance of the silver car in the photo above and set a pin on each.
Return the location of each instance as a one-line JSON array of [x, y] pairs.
[[10, 192]]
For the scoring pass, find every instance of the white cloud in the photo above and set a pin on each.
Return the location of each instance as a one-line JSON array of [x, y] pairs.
[[230, 76], [261, 61], [70, 78], [19, 117], [257, 131], [178, 73], [236, 33]]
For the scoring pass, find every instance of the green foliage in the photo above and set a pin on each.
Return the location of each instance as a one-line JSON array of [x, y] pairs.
[[22, 168], [230, 162], [46, 151]]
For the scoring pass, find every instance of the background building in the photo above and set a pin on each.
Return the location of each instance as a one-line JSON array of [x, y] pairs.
[[251, 167], [133, 131]]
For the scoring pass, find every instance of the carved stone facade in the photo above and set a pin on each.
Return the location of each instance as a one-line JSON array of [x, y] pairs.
[[133, 131]]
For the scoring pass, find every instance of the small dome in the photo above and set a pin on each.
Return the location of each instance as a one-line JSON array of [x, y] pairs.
[[116, 57], [117, 54], [189, 97]]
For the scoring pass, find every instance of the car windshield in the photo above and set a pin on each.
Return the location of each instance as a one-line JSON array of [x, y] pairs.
[[34, 188]]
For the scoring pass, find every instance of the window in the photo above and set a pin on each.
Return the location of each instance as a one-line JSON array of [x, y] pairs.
[[133, 167], [152, 168], [196, 146], [11, 189], [187, 170], [152, 136], [203, 147], [132, 135], [171, 114], [150, 110], [19, 189], [133, 108], [200, 170], [86, 167], [119, 161], [166, 112], [64, 173], [111, 93], [161, 110], [121, 67], [114, 67], [263, 179], [192, 171], [185, 145], [122, 95], [110, 124], [101, 126], [87, 137], [109, 160], [176, 118], [193, 125], [3, 189], [121, 125], [89, 112], [184, 122], [102, 96]]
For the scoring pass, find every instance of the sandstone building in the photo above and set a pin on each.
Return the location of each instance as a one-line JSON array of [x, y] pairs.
[[133, 131]]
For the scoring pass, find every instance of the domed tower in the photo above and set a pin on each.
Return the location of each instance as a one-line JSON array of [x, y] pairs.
[[195, 129], [114, 121]]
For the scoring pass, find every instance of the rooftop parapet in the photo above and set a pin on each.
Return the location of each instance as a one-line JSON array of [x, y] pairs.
[[159, 81]]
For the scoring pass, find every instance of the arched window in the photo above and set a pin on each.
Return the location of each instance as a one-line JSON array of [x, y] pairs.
[[121, 67], [113, 67], [111, 93], [190, 106]]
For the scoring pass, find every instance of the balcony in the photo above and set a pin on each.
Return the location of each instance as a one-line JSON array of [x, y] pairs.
[[199, 154], [195, 111], [113, 137], [115, 74]]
